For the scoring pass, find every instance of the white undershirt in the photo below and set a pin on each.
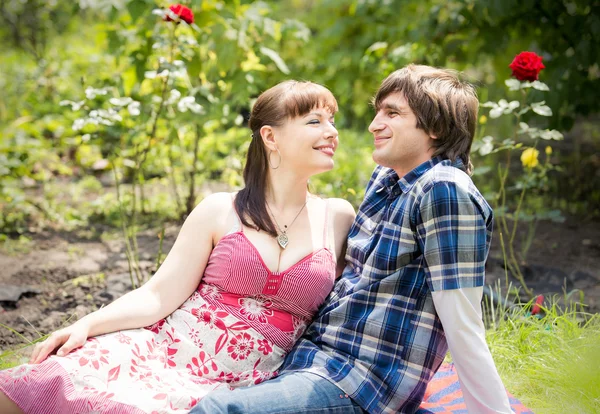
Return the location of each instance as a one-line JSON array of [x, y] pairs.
[[460, 313]]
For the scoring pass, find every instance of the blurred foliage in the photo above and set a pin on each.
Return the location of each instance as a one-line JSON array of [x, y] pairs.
[[89, 86], [353, 40]]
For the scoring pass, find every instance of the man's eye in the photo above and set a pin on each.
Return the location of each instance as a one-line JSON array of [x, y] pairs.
[[392, 113]]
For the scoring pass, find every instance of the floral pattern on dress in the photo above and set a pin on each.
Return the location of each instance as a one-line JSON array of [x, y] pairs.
[[265, 346], [210, 316], [157, 326], [240, 346], [256, 308], [164, 368], [299, 328], [22, 373], [211, 291], [93, 354]]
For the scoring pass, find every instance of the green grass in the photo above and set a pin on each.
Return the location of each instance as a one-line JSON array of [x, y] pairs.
[[552, 363]]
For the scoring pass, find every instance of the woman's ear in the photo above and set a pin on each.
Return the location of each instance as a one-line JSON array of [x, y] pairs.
[[267, 133]]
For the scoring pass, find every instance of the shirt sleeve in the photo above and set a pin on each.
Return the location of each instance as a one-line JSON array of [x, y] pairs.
[[453, 236], [460, 313]]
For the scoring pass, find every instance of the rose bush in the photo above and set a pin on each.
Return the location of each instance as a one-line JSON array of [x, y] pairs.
[[512, 209], [526, 66]]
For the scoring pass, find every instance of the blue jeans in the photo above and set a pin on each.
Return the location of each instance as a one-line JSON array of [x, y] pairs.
[[293, 392]]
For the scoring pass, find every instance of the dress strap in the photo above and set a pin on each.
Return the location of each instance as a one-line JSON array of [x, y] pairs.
[[326, 226]]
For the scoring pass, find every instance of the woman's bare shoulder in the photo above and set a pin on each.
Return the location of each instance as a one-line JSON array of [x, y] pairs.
[[213, 206], [341, 207], [342, 212]]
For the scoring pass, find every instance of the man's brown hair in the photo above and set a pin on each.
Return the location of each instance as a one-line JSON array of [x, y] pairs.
[[445, 106]]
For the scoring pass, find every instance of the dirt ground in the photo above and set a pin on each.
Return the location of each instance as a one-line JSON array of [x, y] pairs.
[[74, 276]]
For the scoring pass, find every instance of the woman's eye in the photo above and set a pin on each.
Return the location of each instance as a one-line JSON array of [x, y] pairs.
[[332, 124], [313, 121]]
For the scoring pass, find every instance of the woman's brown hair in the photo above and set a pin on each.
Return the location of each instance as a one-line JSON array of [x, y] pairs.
[[288, 99]]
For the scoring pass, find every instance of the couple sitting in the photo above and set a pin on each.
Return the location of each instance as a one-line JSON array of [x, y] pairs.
[[231, 307]]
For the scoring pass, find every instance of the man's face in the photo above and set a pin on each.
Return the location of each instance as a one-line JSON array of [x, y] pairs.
[[398, 143]]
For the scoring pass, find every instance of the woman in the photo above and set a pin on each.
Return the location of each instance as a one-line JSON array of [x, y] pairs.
[[245, 276]]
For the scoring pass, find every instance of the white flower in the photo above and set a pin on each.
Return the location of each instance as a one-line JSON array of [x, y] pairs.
[[160, 12], [75, 106], [189, 102], [78, 124], [174, 96], [91, 93], [124, 101], [134, 108], [106, 115]]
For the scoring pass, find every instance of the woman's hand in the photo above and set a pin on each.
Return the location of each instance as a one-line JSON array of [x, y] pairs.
[[71, 337]]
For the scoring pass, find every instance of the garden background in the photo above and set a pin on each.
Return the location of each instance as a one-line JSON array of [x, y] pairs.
[[115, 123]]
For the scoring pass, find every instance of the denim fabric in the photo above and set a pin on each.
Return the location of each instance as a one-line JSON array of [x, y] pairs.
[[291, 393]]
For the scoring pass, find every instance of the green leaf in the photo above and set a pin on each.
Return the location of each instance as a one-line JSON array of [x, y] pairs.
[[488, 146], [129, 79], [377, 46], [274, 56], [136, 8], [551, 134], [194, 66], [541, 109], [540, 86], [114, 41], [513, 84]]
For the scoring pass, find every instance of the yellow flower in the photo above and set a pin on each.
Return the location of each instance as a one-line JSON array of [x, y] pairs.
[[529, 158], [548, 150], [482, 119]]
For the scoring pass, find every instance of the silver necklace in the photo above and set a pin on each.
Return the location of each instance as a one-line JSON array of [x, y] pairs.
[[282, 237]]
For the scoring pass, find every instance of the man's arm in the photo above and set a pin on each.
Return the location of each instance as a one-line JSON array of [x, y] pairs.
[[453, 234], [460, 313]]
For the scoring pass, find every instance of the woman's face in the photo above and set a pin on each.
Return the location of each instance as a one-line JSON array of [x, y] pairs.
[[307, 143]]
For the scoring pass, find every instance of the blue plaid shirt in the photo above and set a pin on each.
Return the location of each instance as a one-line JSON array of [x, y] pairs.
[[378, 336]]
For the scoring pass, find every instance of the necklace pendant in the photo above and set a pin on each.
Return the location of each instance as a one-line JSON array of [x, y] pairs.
[[283, 240]]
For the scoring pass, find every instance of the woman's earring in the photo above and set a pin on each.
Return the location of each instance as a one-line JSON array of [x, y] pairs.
[[269, 159]]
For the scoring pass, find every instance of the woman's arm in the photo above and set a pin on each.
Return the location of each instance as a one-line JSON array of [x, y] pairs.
[[343, 216], [172, 284]]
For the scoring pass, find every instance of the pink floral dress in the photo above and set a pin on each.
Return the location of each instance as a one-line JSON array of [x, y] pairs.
[[234, 331]]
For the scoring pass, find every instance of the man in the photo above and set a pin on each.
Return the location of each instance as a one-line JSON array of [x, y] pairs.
[[414, 278]]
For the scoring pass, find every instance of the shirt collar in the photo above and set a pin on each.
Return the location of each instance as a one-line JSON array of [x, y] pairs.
[[387, 181], [408, 181]]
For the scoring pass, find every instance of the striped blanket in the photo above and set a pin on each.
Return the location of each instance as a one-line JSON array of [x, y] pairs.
[[443, 395]]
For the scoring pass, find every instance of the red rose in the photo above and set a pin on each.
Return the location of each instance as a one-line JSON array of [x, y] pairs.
[[526, 66], [183, 12]]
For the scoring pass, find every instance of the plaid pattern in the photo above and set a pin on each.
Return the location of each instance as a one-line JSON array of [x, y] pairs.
[[378, 336]]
